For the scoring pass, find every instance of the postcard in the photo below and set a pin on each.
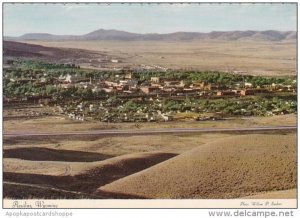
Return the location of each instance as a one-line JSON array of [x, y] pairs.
[[149, 105]]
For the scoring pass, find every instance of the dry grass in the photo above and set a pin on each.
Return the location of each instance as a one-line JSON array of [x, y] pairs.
[[118, 145], [81, 177], [58, 168], [265, 58], [228, 168]]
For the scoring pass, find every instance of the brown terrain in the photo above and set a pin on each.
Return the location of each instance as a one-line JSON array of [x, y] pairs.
[[273, 58], [203, 165], [228, 168]]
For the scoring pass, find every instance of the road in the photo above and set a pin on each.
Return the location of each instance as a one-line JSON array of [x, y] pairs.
[[150, 131]]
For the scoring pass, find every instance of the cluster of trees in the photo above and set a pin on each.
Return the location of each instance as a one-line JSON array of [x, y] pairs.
[[230, 107], [28, 69], [248, 106], [220, 78], [12, 89], [76, 93], [30, 64]]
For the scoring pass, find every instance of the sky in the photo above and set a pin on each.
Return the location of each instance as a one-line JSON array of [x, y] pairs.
[[77, 19]]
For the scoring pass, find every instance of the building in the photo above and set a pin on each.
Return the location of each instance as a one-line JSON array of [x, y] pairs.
[[206, 86], [182, 84], [227, 92], [66, 86], [171, 83], [248, 85], [111, 84], [123, 82], [247, 92], [96, 89], [75, 79], [128, 76], [148, 89], [211, 86], [108, 90], [155, 79], [166, 117]]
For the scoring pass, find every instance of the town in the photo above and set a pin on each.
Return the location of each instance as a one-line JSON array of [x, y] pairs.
[[130, 95]]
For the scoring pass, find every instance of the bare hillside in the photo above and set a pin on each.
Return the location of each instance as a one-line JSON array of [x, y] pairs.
[[230, 168]]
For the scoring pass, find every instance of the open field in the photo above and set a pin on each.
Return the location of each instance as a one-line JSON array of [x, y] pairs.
[[251, 57], [228, 168]]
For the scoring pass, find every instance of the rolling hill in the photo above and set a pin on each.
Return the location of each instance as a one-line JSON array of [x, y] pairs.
[[38, 52], [229, 168], [102, 34]]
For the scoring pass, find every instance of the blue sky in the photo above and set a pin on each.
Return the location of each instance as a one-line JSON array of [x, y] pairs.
[[146, 18]]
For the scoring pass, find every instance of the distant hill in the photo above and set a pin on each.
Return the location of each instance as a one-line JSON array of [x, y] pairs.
[[25, 50], [101, 34]]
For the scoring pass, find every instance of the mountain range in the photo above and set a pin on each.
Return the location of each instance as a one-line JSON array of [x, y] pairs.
[[102, 34]]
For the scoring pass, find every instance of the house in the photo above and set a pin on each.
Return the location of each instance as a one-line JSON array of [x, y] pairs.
[[213, 86], [43, 80], [288, 88], [128, 76], [227, 92], [182, 84], [247, 92], [75, 79], [69, 78], [108, 90], [166, 117], [239, 84], [123, 82], [114, 61], [96, 89], [155, 79], [61, 78], [92, 108], [66, 86], [206, 86], [156, 85], [248, 85], [111, 84], [168, 89], [171, 83], [148, 89], [122, 88]]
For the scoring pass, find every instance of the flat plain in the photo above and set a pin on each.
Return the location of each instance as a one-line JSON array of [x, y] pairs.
[[269, 58]]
